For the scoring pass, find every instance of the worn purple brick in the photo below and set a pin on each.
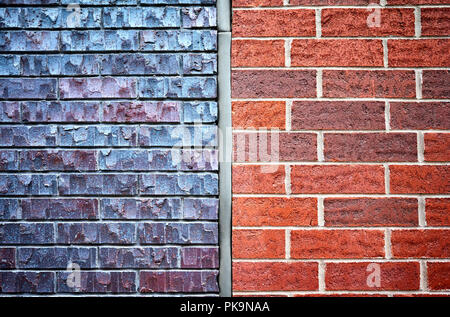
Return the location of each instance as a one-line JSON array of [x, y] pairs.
[[100, 2], [94, 233], [199, 257], [26, 233], [28, 136], [98, 282], [30, 2], [140, 64], [136, 160], [9, 65], [146, 111], [27, 184], [178, 87], [8, 160], [66, 111], [86, 17], [97, 184], [9, 209], [179, 184], [38, 208], [139, 258], [27, 282], [199, 17], [89, 41], [57, 160], [27, 88], [9, 111], [56, 257], [178, 233], [97, 136], [129, 208], [178, 40], [199, 64], [33, 41], [180, 136], [200, 112], [7, 258], [107, 87], [161, 17], [201, 208], [178, 281]]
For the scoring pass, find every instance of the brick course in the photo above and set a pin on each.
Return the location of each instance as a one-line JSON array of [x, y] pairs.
[[363, 186], [90, 108]]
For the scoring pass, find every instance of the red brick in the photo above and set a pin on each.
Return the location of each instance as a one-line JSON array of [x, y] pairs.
[[336, 52], [436, 84], [437, 211], [438, 275], [256, 3], [435, 21], [254, 53], [348, 212], [273, 83], [419, 179], [437, 147], [275, 276], [265, 147], [259, 114], [431, 243], [349, 179], [338, 115], [370, 147], [419, 53], [353, 22], [369, 83], [274, 211], [344, 244], [249, 23], [252, 244], [420, 116], [259, 179], [394, 276], [329, 2]]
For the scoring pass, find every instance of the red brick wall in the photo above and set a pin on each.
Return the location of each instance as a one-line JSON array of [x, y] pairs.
[[360, 188]]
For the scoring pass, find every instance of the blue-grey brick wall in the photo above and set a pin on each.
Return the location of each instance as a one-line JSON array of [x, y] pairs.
[[108, 147]]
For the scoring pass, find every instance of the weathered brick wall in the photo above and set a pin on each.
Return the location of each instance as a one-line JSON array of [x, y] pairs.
[[93, 100], [362, 175]]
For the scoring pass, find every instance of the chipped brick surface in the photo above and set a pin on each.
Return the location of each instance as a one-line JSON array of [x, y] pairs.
[[109, 147]]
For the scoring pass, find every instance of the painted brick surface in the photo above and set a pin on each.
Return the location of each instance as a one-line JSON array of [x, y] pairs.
[[354, 200], [108, 147]]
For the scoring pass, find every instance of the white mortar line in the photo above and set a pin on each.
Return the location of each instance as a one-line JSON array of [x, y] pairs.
[[386, 179], [319, 83], [318, 23], [288, 243], [320, 147], [422, 212], [423, 276], [320, 212], [387, 115], [385, 53], [418, 73], [322, 268], [287, 179]]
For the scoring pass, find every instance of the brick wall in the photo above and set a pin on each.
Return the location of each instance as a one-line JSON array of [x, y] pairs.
[[93, 100], [359, 95]]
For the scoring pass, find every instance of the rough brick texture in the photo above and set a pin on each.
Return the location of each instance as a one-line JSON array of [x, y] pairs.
[[108, 147], [341, 118]]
